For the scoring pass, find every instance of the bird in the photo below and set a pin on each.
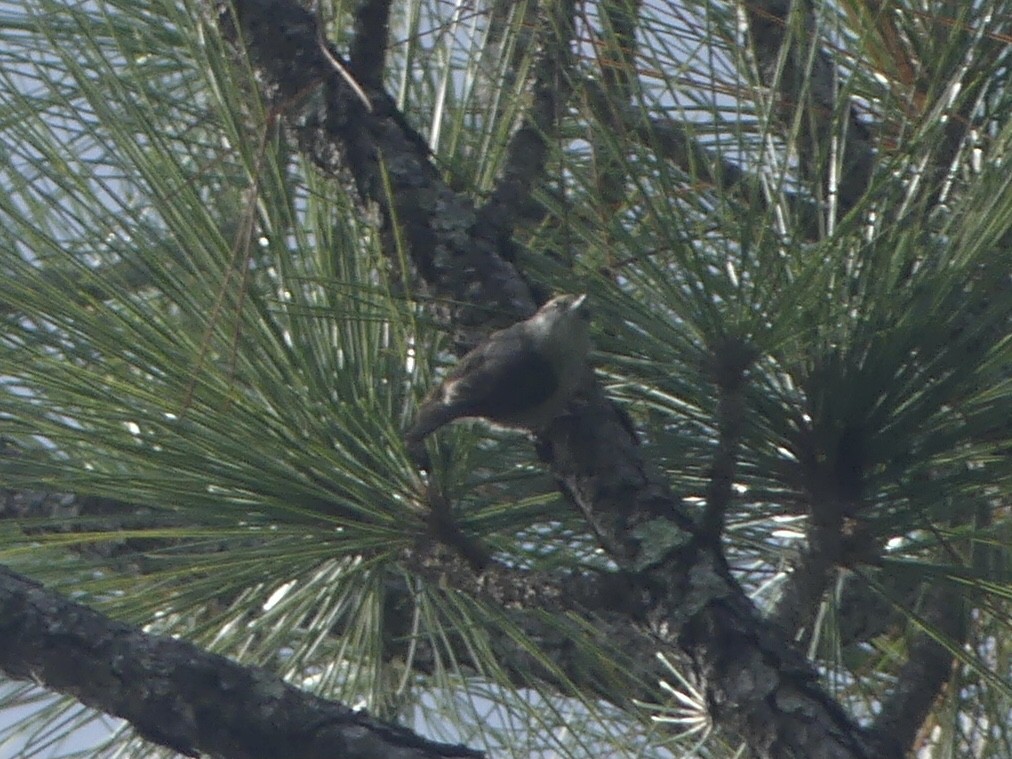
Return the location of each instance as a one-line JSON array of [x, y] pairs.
[[521, 377]]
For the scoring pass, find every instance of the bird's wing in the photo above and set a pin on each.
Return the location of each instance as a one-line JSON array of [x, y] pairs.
[[500, 379]]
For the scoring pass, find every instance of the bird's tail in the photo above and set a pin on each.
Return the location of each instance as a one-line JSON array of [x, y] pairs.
[[431, 416]]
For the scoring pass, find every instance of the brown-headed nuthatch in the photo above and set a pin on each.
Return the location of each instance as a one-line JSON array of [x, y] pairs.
[[521, 377]]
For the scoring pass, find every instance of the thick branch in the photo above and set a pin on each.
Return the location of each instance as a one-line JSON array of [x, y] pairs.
[[177, 695], [834, 466], [807, 583], [931, 660], [730, 361], [367, 54], [927, 670]]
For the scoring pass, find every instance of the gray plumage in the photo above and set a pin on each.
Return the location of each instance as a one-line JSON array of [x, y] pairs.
[[522, 377]]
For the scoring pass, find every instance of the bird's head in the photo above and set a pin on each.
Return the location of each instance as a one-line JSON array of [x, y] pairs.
[[564, 317]]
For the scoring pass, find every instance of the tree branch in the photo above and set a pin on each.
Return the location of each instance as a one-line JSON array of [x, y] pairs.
[[673, 140], [177, 695], [367, 54], [806, 585], [790, 60], [527, 153], [616, 60], [927, 669], [931, 659], [730, 361]]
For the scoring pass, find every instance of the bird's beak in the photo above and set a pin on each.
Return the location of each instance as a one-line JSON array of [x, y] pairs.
[[578, 301]]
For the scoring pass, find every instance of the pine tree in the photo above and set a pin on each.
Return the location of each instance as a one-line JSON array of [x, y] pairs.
[[241, 240]]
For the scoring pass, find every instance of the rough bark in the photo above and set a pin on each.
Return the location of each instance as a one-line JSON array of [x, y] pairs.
[[177, 695]]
